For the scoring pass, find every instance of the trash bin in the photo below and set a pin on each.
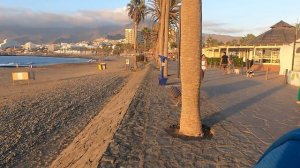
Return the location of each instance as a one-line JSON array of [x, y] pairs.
[[102, 66]]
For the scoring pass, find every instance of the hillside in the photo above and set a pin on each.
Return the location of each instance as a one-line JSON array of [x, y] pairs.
[[58, 35], [54, 35], [224, 38]]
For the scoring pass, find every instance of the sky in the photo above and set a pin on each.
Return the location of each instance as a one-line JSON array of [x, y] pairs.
[[228, 17]]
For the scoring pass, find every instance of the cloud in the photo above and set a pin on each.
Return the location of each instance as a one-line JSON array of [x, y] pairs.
[[97, 18], [213, 27], [220, 28], [84, 18]]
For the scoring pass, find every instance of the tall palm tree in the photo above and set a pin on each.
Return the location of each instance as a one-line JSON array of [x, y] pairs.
[[161, 28], [136, 11], [166, 36], [191, 39]]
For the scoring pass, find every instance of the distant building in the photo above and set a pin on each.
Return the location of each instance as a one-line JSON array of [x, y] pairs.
[[7, 43], [53, 47], [271, 50], [29, 46], [129, 36], [274, 50]]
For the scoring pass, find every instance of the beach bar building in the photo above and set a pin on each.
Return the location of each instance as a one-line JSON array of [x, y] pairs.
[[273, 50]]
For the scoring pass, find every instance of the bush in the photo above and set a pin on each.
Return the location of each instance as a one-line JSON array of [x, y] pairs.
[[140, 58], [213, 61], [238, 62]]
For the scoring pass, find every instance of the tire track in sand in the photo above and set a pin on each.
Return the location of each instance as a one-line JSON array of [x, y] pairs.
[[88, 147]]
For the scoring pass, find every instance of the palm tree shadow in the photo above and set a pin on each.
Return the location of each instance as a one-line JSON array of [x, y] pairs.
[[218, 90], [174, 83], [225, 113]]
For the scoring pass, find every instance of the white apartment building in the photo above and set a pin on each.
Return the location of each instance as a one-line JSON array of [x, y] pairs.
[[129, 36]]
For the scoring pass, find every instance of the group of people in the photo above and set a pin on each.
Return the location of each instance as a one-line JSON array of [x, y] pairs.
[[227, 63]]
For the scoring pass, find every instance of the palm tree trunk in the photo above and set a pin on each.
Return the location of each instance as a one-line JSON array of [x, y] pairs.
[[161, 29], [135, 44], [145, 47], [190, 119], [166, 36]]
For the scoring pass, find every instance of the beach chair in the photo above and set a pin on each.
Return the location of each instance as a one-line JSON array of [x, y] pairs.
[[176, 93]]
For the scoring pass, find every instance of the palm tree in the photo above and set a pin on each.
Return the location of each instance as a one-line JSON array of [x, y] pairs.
[[191, 39], [154, 10], [136, 11], [161, 28], [157, 10], [146, 34], [166, 36]]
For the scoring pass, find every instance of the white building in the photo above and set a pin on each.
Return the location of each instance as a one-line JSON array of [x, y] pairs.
[[29, 46], [273, 50], [129, 36], [53, 47]]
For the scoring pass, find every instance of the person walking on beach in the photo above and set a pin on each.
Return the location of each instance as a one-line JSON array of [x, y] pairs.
[[230, 64], [224, 62], [203, 66]]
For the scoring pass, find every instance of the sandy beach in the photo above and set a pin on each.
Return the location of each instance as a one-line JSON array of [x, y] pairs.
[[38, 120]]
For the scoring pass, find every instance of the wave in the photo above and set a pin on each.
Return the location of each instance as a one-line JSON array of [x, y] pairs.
[[22, 61], [8, 64]]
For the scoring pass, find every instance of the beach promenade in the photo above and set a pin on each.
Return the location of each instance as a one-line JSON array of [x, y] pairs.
[[246, 114]]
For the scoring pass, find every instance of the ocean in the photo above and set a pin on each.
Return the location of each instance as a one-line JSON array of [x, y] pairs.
[[25, 61]]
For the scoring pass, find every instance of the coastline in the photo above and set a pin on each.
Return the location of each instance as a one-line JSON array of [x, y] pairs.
[[86, 56], [90, 59]]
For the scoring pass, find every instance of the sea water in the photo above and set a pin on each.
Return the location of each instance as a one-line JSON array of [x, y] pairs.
[[13, 61]]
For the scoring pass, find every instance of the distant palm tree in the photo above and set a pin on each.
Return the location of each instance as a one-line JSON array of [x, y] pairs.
[[157, 9], [136, 11], [146, 35], [191, 39]]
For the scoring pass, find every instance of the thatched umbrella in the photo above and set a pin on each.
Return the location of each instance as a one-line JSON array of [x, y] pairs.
[[280, 33]]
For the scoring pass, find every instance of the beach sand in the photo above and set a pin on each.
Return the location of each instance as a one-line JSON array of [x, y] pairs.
[[88, 147], [40, 119]]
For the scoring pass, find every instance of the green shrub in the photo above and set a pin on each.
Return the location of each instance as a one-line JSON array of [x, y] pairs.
[[140, 58], [238, 62], [213, 61]]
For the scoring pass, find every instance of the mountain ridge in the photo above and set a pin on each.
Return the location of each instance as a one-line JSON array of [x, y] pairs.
[[76, 34]]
